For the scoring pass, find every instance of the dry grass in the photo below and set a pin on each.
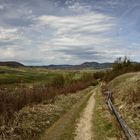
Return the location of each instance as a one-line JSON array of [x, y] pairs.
[[126, 94], [30, 122], [104, 124], [43, 86], [14, 98]]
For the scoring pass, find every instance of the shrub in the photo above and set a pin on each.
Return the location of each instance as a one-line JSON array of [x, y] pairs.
[[58, 81], [13, 99], [120, 66]]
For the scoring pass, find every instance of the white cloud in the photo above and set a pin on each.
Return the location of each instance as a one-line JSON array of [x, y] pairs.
[[8, 33], [7, 52], [1, 7], [91, 22], [66, 41], [74, 32], [89, 31], [79, 7]]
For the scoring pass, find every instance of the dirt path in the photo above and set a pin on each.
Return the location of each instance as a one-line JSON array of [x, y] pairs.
[[64, 127], [84, 125]]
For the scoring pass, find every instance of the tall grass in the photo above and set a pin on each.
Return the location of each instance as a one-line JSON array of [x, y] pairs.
[[14, 99]]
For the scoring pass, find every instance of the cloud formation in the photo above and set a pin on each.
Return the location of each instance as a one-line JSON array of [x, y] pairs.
[[62, 31]]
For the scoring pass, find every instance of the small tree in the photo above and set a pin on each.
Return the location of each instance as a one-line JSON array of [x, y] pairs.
[[121, 63]]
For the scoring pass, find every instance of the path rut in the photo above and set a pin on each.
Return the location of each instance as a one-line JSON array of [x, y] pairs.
[[84, 125]]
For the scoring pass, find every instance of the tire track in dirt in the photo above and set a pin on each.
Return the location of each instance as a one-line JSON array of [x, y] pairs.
[[64, 127], [84, 125]]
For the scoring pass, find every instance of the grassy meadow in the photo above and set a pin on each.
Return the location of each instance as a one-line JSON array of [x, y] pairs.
[[29, 97], [126, 95], [25, 86], [25, 91]]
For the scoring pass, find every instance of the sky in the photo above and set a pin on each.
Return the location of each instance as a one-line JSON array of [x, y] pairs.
[[42, 32]]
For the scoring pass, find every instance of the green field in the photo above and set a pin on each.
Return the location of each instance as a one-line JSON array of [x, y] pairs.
[[32, 75]]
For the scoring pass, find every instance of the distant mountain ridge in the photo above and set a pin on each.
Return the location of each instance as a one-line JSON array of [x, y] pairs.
[[86, 65], [11, 64]]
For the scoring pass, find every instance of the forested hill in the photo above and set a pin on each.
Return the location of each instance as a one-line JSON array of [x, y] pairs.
[[86, 65], [11, 64]]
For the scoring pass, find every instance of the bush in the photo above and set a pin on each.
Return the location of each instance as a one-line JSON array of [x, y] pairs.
[[121, 66], [13, 99], [58, 81]]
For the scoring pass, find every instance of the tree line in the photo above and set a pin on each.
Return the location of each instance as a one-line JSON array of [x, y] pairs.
[[120, 66]]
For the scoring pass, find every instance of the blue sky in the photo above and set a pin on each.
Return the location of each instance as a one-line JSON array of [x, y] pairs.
[[39, 32]]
